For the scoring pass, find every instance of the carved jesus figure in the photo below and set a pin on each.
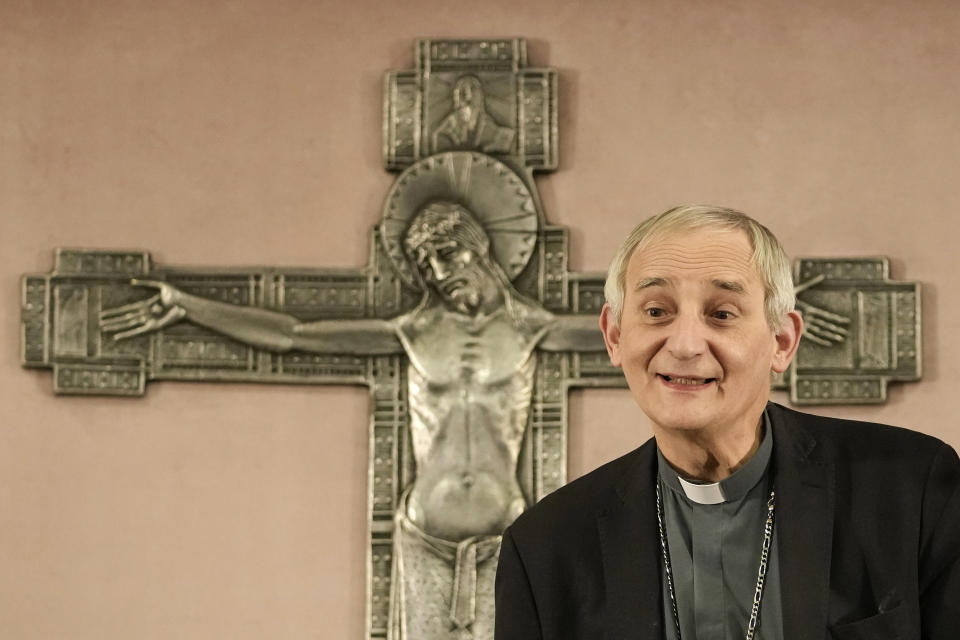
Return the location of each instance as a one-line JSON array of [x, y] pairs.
[[468, 125], [471, 345]]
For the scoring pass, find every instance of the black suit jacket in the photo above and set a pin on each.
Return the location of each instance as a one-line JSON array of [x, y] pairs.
[[868, 528]]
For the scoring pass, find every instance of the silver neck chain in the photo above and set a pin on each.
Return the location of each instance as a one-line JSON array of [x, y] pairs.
[[761, 573]]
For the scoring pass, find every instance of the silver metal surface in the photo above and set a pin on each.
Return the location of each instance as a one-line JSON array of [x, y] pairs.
[[863, 330], [474, 95]]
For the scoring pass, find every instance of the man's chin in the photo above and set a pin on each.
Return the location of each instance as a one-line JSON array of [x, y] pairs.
[[683, 416], [681, 427]]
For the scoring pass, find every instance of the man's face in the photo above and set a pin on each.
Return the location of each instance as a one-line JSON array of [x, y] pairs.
[[693, 339], [454, 271]]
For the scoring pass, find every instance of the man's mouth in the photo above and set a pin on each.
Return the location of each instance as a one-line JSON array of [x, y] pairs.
[[685, 380]]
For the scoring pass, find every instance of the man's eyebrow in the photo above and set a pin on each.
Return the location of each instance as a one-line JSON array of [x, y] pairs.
[[729, 285], [646, 283]]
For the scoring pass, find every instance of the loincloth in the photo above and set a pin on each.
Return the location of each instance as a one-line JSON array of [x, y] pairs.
[[441, 590]]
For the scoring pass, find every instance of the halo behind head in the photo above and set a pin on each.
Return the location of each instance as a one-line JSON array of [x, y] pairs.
[[492, 195]]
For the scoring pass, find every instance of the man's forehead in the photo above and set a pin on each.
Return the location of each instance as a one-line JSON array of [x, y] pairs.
[[734, 285], [723, 258]]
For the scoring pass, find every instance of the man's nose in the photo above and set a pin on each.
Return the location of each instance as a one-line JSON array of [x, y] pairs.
[[687, 338], [440, 272]]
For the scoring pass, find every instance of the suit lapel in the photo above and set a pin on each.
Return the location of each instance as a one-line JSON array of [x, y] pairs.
[[804, 482], [630, 549], [630, 546]]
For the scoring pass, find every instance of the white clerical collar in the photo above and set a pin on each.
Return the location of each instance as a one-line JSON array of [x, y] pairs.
[[729, 489], [711, 493]]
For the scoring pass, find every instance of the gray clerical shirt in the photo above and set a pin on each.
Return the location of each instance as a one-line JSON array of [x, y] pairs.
[[715, 551]]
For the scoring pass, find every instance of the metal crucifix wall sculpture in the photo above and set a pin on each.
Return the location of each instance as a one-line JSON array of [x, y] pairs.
[[466, 325]]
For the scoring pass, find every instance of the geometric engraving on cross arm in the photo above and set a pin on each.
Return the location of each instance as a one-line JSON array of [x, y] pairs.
[[61, 325], [866, 331]]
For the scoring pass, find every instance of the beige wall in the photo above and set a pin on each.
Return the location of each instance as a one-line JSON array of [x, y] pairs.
[[248, 132]]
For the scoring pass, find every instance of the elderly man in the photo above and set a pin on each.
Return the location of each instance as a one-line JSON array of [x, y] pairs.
[[740, 518]]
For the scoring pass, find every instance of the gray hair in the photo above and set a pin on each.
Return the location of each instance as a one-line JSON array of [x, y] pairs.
[[768, 257]]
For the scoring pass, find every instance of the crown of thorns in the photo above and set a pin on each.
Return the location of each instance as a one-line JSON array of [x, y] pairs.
[[425, 230]]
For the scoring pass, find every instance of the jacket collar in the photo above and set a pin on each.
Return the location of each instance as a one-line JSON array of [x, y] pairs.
[[804, 482], [630, 543], [630, 548]]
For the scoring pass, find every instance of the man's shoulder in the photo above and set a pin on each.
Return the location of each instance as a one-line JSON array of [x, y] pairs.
[[844, 439], [579, 502]]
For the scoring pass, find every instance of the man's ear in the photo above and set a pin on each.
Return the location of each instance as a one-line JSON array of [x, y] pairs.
[[788, 339], [611, 334]]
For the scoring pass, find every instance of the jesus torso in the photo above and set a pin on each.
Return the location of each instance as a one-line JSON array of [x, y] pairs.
[[470, 385]]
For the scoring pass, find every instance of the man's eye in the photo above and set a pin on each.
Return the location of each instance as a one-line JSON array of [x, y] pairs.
[[723, 315], [655, 312]]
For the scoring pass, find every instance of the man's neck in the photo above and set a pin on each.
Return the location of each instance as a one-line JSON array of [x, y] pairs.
[[710, 456]]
